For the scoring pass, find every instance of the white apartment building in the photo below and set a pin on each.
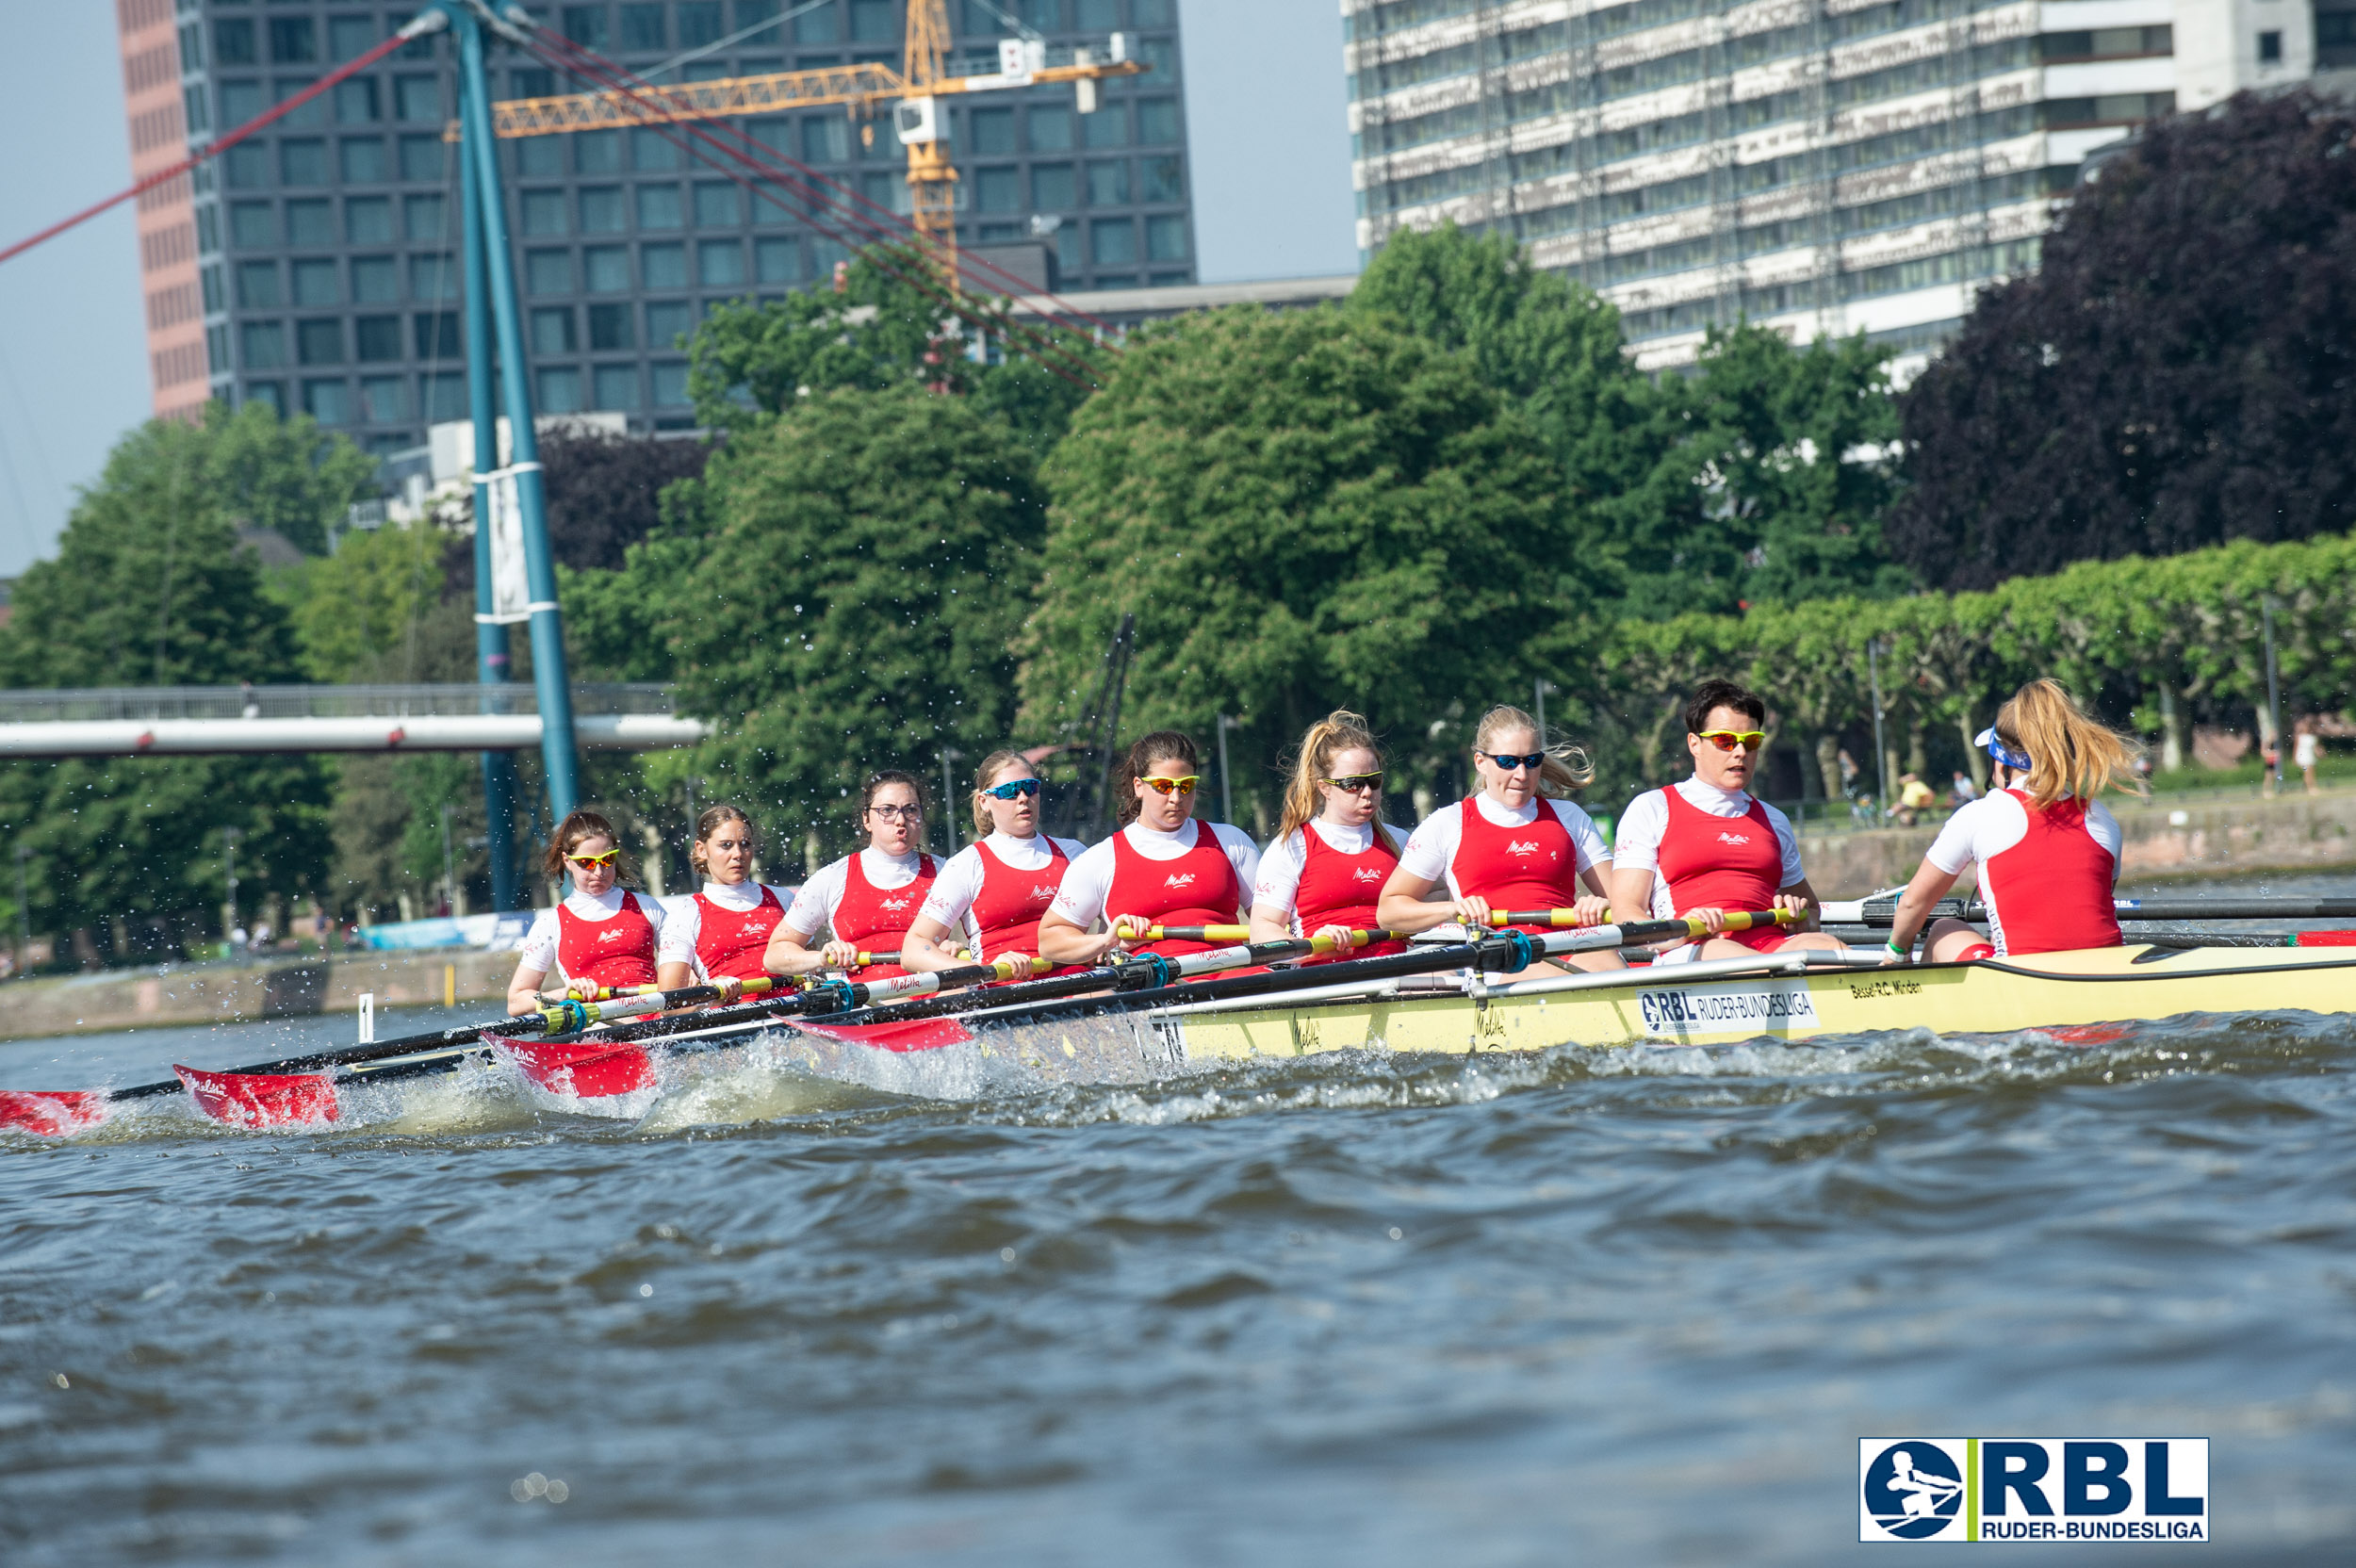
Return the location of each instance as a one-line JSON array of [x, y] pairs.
[[1822, 165]]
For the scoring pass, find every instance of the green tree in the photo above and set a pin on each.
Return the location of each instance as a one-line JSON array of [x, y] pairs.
[[1303, 510], [866, 559], [363, 614], [284, 474], [150, 587]]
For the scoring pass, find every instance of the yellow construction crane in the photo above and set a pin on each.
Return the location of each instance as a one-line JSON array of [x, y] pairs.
[[915, 90]]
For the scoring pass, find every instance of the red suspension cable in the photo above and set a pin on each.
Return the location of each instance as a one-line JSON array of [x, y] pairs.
[[224, 143]]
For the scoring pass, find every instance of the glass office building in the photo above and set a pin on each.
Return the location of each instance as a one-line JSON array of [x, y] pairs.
[[316, 266], [1824, 166]]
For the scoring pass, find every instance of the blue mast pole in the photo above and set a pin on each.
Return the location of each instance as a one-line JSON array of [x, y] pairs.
[[548, 630], [490, 637]]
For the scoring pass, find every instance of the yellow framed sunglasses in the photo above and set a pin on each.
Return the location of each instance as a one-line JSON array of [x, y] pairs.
[[1170, 786], [591, 862], [1726, 740]]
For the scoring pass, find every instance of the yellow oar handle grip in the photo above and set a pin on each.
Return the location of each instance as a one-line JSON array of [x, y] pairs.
[[1744, 920], [866, 959], [1357, 939], [1010, 969], [1196, 933], [1562, 919]]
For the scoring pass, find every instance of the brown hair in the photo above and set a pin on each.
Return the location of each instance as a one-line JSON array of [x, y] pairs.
[[1144, 754], [710, 822], [572, 833], [1724, 694], [1565, 769], [990, 764], [2071, 754], [1338, 731], [882, 776]]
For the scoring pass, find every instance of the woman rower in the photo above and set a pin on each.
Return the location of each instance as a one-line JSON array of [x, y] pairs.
[[720, 933], [2047, 851], [1512, 846], [1160, 869], [598, 935], [870, 897], [989, 895], [1332, 851]]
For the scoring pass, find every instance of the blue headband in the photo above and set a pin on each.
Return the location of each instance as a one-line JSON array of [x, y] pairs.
[[2018, 761]]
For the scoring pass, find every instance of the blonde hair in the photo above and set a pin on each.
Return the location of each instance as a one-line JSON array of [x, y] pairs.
[[2072, 756], [1338, 731], [990, 764], [1565, 769], [710, 820]]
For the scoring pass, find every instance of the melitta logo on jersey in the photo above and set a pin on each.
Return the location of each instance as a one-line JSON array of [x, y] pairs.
[[894, 906], [1180, 879], [1516, 846], [1369, 875], [1041, 890], [616, 934], [2032, 1488], [1734, 838]]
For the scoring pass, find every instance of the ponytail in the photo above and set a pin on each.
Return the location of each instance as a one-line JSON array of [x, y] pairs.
[[1566, 768], [2071, 754], [1338, 731]]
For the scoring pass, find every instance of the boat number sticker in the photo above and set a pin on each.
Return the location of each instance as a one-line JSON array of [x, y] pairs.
[[1769, 1009]]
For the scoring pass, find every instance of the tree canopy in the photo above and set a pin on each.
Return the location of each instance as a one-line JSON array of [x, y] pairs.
[[2176, 373]]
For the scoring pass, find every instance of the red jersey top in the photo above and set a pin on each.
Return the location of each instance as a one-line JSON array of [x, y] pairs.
[[1723, 863], [1007, 909], [730, 943], [1532, 866], [614, 952], [877, 918], [2054, 886], [1337, 889], [1196, 888]]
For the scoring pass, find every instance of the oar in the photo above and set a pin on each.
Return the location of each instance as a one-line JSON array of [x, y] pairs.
[[1882, 912], [2243, 938], [1243, 934], [54, 1113]]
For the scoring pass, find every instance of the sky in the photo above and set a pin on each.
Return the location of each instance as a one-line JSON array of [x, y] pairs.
[[1265, 108]]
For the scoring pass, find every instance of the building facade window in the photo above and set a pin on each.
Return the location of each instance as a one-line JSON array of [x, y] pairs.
[[375, 280], [560, 389], [328, 401], [552, 330], [262, 344], [319, 341], [368, 220], [376, 339], [617, 386], [316, 282], [609, 328]]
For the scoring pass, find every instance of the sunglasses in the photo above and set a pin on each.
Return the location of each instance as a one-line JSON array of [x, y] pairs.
[[1358, 781], [1013, 789], [1509, 761], [1167, 786], [591, 862], [1726, 740]]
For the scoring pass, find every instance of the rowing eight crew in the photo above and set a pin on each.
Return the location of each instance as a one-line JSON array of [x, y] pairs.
[[1703, 846]]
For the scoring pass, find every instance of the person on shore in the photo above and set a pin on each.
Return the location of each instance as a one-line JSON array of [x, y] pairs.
[[1963, 792], [2047, 850], [1323, 873], [870, 897], [1705, 846], [720, 933], [1914, 799], [1162, 868], [1514, 845], [990, 894], [2306, 749], [598, 935]]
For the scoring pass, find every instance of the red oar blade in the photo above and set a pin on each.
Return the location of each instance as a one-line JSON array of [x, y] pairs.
[[588, 1069], [258, 1101], [916, 1034], [53, 1116]]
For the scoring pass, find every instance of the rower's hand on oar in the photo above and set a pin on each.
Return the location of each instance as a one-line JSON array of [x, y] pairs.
[[1713, 919], [839, 954], [1801, 908], [730, 987], [1594, 909], [1471, 909], [1125, 930], [582, 990]]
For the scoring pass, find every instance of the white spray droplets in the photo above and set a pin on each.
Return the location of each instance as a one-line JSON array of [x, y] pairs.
[[538, 1488]]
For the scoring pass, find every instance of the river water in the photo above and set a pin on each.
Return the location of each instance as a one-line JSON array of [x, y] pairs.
[[1592, 1305]]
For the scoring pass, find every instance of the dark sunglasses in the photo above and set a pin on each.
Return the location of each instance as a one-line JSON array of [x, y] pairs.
[[1013, 789], [1358, 781], [1509, 761]]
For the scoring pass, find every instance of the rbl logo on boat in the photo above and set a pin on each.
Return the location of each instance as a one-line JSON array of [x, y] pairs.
[[2147, 1489]]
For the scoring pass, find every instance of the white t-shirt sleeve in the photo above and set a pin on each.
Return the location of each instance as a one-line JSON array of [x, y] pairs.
[[681, 924], [1433, 845], [1080, 898], [1979, 831], [815, 904], [1244, 854], [2107, 833], [1278, 886], [1587, 843], [537, 951], [1790, 843], [956, 888], [1637, 844]]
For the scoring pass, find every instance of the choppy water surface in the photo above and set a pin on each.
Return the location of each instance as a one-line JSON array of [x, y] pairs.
[[1621, 1306]]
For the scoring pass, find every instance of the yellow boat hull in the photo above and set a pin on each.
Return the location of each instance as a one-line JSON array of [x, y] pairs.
[[2050, 990]]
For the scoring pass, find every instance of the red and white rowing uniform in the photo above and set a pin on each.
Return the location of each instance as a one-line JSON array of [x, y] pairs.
[[1329, 874], [1528, 858], [990, 894], [2047, 876], [1709, 848], [1199, 875], [868, 898], [721, 931], [609, 941]]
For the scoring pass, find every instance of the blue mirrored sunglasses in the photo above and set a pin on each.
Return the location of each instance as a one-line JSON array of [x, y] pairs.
[[1012, 789], [1509, 761]]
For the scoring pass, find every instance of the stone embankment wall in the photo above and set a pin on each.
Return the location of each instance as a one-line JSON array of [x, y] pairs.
[[2163, 840], [217, 993]]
